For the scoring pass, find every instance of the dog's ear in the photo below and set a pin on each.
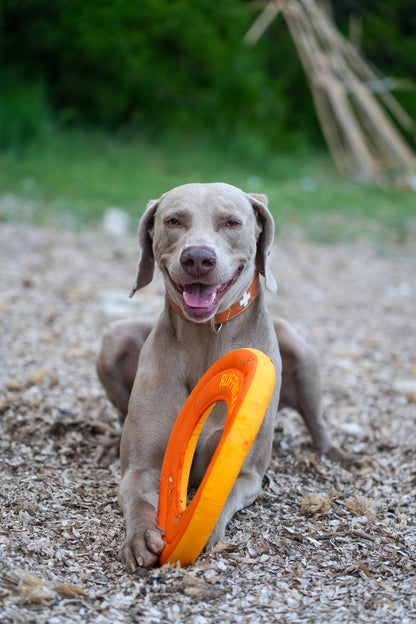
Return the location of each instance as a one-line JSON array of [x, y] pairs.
[[147, 260], [265, 240]]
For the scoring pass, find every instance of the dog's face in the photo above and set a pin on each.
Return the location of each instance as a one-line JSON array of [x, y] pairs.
[[204, 241], [207, 239]]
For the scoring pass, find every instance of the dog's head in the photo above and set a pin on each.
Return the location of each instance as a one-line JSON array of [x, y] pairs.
[[208, 240]]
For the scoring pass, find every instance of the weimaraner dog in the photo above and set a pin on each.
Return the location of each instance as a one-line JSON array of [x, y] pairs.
[[211, 243]]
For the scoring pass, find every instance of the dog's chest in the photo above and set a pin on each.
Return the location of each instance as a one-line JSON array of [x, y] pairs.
[[205, 351]]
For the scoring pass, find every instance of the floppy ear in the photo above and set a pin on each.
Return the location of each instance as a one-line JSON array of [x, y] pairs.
[[265, 240], [147, 260]]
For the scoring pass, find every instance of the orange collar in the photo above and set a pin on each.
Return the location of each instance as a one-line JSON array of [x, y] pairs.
[[234, 310]]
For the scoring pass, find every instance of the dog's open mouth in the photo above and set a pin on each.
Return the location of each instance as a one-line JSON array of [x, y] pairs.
[[201, 300]]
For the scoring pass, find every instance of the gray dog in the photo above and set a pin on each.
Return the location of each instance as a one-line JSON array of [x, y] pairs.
[[211, 243]]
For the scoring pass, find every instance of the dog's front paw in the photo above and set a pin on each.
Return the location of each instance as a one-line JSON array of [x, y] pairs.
[[142, 547]]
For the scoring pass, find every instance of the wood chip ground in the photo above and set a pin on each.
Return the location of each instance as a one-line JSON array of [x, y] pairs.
[[321, 544]]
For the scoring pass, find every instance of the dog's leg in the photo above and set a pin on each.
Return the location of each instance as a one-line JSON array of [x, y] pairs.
[[248, 483], [156, 400], [138, 498], [245, 491], [301, 388], [117, 361]]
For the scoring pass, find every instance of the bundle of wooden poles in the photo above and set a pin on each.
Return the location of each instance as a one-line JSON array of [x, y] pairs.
[[356, 109]]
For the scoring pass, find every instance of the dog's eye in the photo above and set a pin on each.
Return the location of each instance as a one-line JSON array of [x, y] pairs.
[[173, 222], [231, 223]]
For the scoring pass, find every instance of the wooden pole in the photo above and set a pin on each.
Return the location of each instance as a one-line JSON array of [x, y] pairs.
[[263, 21], [392, 142], [318, 66], [360, 136]]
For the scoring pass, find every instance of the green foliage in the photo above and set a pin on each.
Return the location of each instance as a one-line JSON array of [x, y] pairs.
[[24, 113], [163, 64], [158, 64]]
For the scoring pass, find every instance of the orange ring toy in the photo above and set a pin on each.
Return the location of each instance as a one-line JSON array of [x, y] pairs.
[[244, 379]]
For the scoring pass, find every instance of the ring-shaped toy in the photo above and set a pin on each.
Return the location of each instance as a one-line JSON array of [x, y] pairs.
[[244, 379]]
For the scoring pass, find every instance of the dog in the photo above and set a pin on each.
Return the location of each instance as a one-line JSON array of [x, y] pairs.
[[212, 244]]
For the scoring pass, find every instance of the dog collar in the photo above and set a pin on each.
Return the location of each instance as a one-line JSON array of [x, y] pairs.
[[234, 310]]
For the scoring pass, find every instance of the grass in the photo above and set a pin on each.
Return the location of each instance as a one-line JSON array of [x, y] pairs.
[[69, 179]]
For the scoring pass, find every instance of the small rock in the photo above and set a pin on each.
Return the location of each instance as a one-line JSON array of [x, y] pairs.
[[406, 387], [352, 429], [116, 221]]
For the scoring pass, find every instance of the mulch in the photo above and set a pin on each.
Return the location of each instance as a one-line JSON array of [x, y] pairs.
[[321, 543]]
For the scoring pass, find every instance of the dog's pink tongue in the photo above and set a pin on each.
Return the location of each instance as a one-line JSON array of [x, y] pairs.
[[199, 295]]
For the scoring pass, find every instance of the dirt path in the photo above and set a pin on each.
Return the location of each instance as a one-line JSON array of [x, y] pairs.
[[320, 545]]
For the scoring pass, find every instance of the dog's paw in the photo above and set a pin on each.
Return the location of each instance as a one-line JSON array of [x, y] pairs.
[[141, 548], [217, 535], [336, 455]]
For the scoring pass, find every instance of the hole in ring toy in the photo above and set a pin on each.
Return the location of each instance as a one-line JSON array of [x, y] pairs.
[[244, 379]]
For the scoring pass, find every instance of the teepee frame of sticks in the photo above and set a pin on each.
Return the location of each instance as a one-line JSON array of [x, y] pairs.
[[348, 94]]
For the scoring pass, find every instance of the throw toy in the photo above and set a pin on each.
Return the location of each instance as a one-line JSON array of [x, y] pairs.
[[244, 379]]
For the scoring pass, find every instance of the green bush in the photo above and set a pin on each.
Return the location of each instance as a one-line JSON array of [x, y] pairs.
[[163, 64], [24, 113], [159, 64]]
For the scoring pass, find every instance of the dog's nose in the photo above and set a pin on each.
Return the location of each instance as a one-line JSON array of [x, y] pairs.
[[198, 261]]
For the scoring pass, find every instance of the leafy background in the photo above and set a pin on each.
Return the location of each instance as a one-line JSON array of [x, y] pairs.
[[112, 102], [176, 64]]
